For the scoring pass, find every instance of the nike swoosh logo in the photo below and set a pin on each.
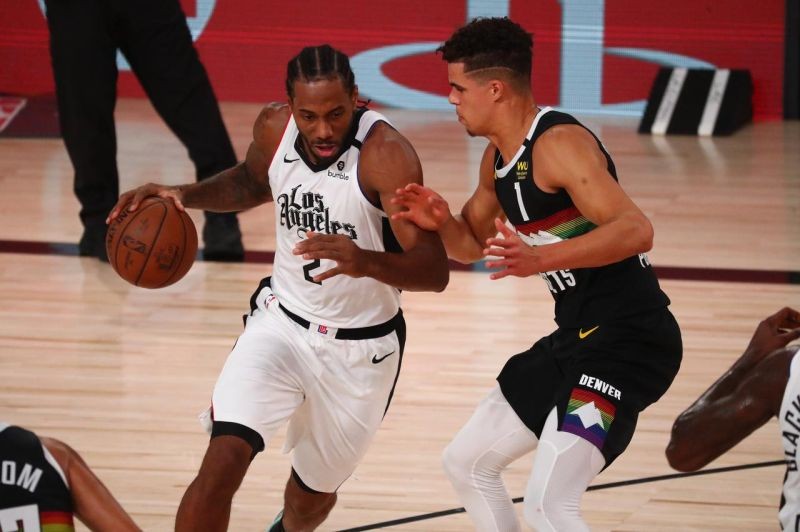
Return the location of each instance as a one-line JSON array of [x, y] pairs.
[[583, 335], [287, 160], [375, 358]]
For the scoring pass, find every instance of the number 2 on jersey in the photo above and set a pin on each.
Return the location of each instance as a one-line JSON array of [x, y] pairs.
[[307, 271]]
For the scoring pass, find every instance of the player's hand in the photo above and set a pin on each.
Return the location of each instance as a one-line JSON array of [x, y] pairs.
[[774, 333], [132, 198], [515, 256], [340, 248], [424, 207]]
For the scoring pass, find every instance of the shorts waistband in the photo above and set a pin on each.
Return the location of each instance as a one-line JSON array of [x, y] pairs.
[[358, 333]]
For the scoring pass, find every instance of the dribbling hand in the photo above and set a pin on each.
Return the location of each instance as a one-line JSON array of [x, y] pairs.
[[133, 198]]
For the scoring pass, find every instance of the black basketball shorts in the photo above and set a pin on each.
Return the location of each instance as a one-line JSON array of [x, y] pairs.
[[599, 376]]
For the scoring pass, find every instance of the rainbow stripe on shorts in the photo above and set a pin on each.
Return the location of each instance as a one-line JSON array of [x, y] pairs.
[[589, 415]]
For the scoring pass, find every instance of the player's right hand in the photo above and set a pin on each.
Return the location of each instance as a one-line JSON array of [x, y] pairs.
[[132, 198], [424, 207]]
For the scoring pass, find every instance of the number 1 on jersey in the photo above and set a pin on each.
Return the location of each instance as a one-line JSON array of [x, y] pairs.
[[522, 210]]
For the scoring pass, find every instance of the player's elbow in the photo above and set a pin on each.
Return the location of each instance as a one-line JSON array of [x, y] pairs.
[[642, 234], [683, 453], [681, 460]]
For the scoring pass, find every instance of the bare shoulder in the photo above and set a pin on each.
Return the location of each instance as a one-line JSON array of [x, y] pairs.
[[564, 139], [385, 144], [62, 452], [270, 124], [388, 160]]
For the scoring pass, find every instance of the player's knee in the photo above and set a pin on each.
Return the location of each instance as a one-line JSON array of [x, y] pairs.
[[224, 466], [308, 508], [456, 464]]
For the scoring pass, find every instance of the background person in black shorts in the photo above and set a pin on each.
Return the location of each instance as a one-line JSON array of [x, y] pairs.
[[44, 483], [617, 347]]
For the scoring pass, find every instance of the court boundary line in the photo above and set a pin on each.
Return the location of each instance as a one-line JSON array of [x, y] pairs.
[[608, 485], [674, 273]]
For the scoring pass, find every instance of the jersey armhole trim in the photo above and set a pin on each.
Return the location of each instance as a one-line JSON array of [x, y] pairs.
[[53, 462]]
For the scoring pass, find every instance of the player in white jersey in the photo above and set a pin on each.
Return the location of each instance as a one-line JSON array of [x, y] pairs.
[[324, 337], [763, 383]]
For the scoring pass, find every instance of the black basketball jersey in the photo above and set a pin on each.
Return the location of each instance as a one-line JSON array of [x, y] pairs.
[[582, 296], [33, 490]]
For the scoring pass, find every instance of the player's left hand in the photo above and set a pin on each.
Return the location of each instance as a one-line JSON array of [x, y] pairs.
[[340, 248], [774, 332], [516, 257]]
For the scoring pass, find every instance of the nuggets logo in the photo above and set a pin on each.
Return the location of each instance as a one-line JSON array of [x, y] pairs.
[[589, 415]]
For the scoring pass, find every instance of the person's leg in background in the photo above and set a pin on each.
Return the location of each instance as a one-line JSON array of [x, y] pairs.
[[83, 53], [158, 45]]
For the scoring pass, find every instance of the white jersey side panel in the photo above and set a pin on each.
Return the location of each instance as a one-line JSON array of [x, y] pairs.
[[789, 419], [326, 201]]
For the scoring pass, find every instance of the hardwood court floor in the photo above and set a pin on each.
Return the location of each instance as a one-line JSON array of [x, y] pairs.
[[121, 373]]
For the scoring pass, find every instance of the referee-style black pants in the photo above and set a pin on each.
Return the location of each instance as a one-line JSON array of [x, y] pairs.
[[155, 39]]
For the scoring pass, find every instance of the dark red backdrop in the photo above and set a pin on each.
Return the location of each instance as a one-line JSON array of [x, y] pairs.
[[246, 43]]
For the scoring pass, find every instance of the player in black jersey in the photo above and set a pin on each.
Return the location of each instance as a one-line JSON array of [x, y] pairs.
[[617, 348], [44, 483]]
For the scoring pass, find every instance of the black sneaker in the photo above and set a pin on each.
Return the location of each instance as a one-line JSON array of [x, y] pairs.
[[93, 242], [222, 239]]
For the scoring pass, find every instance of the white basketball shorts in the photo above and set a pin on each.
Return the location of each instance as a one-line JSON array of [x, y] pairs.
[[334, 392]]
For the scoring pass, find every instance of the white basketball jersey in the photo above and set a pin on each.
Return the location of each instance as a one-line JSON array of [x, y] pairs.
[[328, 200], [789, 419]]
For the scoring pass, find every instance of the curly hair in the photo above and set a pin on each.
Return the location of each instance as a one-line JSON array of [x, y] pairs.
[[496, 42], [319, 62]]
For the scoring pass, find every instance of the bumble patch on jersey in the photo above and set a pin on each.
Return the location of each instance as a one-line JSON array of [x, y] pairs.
[[589, 415]]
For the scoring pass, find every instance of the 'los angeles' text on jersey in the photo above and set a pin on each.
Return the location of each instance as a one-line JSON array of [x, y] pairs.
[[327, 198], [306, 211]]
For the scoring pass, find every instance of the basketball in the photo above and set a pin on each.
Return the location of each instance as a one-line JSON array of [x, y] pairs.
[[153, 246]]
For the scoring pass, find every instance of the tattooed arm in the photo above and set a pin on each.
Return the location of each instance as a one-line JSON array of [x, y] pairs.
[[244, 186]]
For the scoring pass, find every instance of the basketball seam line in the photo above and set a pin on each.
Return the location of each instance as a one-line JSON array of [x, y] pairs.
[[182, 253], [150, 251]]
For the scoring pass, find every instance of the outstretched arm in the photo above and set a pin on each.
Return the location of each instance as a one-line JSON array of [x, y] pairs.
[[742, 399], [463, 234], [243, 186], [388, 161], [93, 503]]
